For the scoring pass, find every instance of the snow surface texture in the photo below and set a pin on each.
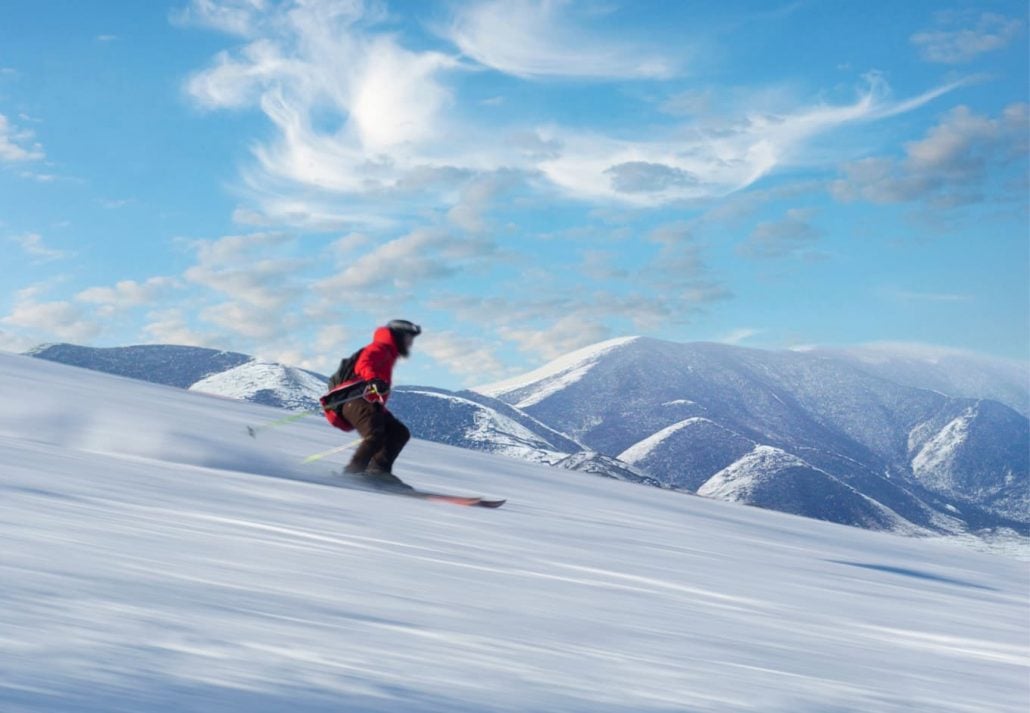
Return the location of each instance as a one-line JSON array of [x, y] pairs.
[[158, 559]]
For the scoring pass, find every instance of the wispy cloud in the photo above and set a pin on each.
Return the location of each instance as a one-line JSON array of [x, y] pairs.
[[958, 37], [901, 295], [362, 116], [540, 38], [702, 161], [32, 245], [238, 17], [115, 203], [18, 145], [737, 336]]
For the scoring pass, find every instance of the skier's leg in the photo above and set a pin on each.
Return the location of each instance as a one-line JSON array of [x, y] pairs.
[[397, 435], [368, 420]]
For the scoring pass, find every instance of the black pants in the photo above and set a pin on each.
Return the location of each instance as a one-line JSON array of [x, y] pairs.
[[382, 436]]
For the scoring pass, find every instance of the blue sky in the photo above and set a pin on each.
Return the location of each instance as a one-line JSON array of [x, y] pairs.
[[522, 178]]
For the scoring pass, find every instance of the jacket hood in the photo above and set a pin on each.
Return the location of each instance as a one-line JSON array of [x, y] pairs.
[[384, 336]]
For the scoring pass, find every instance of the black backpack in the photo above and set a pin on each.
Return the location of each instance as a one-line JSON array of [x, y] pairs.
[[346, 371]]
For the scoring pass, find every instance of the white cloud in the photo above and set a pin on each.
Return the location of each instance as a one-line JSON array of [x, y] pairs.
[[247, 319], [313, 63], [476, 198], [790, 235], [469, 357], [264, 284], [237, 17], [332, 338], [32, 245], [257, 280], [949, 167], [361, 119], [234, 250], [959, 37], [115, 203], [562, 336], [901, 295], [423, 254], [538, 38], [127, 294], [16, 144], [737, 336], [60, 319], [40, 177], [17, 343], [106, 38], [170, 326], [710, 160]]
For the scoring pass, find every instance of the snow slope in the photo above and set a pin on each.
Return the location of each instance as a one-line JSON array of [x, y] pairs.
[[156, 558], [535, 386], [267, 383]]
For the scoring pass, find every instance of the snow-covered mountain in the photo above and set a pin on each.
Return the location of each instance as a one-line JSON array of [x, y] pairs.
[[949, 371], [812, 433], [167, 364], [267, 383], [187, 568], [789, 427]]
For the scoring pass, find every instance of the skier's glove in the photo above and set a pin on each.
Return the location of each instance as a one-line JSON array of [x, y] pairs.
[[376, 389]]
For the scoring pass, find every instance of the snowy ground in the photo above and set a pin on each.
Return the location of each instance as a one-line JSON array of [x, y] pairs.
[[155, 558]]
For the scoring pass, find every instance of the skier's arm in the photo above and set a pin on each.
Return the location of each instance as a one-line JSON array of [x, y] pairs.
[[374, 366]]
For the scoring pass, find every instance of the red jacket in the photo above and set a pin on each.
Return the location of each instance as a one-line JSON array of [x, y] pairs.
[[377, 359], [376, 362]]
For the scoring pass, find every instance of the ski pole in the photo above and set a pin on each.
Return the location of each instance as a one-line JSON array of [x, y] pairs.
[[252, 430], [319, 456]]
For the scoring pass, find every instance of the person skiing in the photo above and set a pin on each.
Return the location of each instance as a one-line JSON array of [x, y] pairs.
[[357, 401]]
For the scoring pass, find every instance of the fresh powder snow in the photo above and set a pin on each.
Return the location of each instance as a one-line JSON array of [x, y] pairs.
[[641, 450], [156, 558], [555, 375]]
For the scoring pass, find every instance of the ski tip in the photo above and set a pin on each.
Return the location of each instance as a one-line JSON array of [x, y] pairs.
[[491, 503]]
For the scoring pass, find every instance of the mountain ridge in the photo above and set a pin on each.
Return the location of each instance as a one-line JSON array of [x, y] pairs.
[[677, 415]]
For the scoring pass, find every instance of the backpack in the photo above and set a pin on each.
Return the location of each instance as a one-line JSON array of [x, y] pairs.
[[346, 371]]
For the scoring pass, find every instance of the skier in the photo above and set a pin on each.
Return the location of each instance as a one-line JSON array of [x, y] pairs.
[[357, 401]]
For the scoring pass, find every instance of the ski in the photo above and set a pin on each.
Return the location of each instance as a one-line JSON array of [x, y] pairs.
[[464, 500]]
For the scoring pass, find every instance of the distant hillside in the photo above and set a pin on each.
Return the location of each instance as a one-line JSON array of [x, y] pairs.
[[167, 364], [814, 433]]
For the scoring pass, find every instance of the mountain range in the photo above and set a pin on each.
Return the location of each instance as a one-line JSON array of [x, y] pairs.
[[908, 441]]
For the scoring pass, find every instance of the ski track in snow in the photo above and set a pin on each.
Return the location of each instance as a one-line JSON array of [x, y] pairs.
[[156, 558]]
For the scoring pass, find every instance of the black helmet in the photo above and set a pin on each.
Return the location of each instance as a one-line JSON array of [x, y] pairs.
[[400, 328], [403, 326]]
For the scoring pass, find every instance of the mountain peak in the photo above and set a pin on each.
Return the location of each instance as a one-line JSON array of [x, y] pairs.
[[555, 375]]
